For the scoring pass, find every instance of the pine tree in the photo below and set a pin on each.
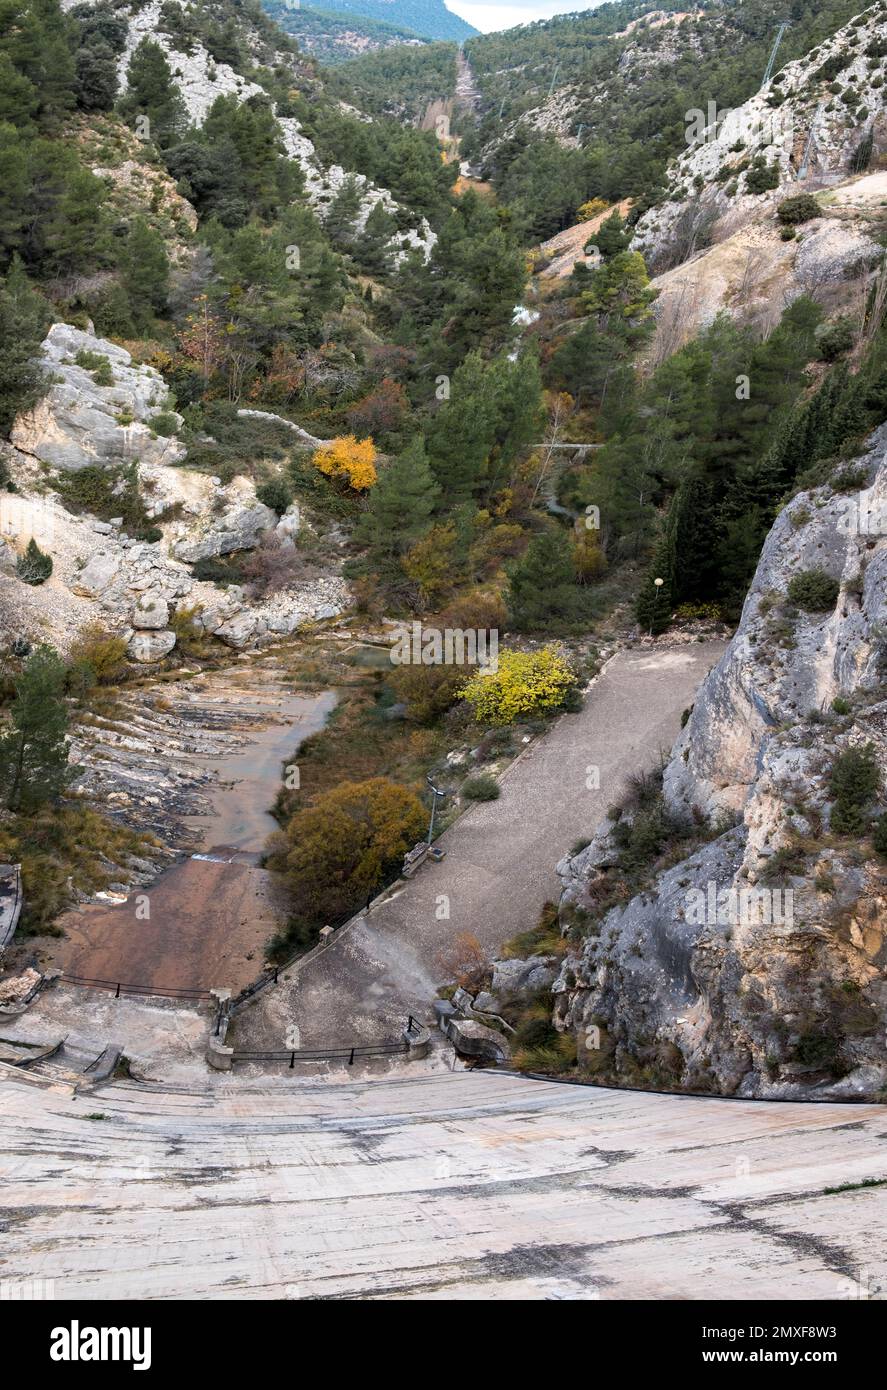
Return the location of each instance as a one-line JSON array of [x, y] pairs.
[[399, 510], [152, 94], [76, 235], [462, 432], [543, 592], [371, 249], [34, 751], [145, 268], [23, 319], [339, 221], [35, 566]]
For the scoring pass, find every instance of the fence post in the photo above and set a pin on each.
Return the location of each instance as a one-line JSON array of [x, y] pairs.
[[275, 974], [117, 995], [292, 1060], [351, 1058]]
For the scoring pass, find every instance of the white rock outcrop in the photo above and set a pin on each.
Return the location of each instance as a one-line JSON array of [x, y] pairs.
[[79, 422]]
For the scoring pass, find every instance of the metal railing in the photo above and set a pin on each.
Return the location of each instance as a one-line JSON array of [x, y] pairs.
[[332, 1054], [122, 987], [328, 1054]]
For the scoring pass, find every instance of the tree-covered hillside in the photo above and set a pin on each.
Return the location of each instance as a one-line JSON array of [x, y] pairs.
[[335, 38], [596, 104], [430, 19], [399, 79]]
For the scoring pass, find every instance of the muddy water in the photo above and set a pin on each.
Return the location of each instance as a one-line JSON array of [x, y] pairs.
[[204, 923], [249, 778]]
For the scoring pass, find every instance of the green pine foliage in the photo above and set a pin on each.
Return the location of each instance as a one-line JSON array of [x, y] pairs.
[[34, 749]]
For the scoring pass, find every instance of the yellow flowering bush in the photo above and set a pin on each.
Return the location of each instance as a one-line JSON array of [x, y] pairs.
[[352, 459], [524, 683]]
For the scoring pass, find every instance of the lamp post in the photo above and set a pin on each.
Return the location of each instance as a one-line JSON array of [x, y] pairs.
[[659, 583], [435, 793]]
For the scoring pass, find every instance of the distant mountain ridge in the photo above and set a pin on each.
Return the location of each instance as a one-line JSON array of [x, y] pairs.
[[336, 38], [426, 19]]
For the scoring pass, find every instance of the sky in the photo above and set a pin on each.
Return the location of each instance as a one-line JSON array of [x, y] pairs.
[[490, 14]]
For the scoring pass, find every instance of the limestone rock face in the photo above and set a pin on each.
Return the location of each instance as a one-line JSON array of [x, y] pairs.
[[150, 646], [760, 684], [515, 975], [79, 422], [238, 528], [790, 127], [755, 966]]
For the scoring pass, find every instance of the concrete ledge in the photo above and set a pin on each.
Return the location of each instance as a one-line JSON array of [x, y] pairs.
[[218, 1055], [470, 1038], [418, 1042]]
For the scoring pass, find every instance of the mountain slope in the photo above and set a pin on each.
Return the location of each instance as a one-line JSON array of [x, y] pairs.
[[335, 38], [429, 19], [818, 120], [605, 96]]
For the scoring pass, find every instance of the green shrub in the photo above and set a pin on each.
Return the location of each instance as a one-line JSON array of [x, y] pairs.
[[799, 208], [787, 233], [105, 492], [880, 835], [761, 176], [483, 787], [98, 364], [217, 570], [164, 422], [814, 590], [276, 493], [34, 567], [840, 705], [854, 782], [834, 339]]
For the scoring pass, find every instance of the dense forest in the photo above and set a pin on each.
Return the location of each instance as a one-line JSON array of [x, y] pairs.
[[400, 80], [334, 38], [429, 19]]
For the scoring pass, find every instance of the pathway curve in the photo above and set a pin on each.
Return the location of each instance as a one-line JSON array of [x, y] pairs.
[[500, 859]]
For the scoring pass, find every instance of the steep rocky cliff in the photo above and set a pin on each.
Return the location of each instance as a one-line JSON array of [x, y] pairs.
[[755, 966], [816, 121]]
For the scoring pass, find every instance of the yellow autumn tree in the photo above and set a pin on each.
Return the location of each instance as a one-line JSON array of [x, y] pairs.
[[348, 459], [524, 683], [593, 208]]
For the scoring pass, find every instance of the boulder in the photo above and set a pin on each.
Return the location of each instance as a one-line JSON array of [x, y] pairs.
[[97, 575], [289, 524], [150, 612], [239, 632], [238, 528], [522, 976], [150, 646]]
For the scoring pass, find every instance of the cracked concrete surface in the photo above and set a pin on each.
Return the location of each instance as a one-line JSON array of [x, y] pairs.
[[466, 1185]]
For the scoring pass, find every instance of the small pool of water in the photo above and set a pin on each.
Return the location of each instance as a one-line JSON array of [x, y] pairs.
[[369, 658], [249, 778]]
